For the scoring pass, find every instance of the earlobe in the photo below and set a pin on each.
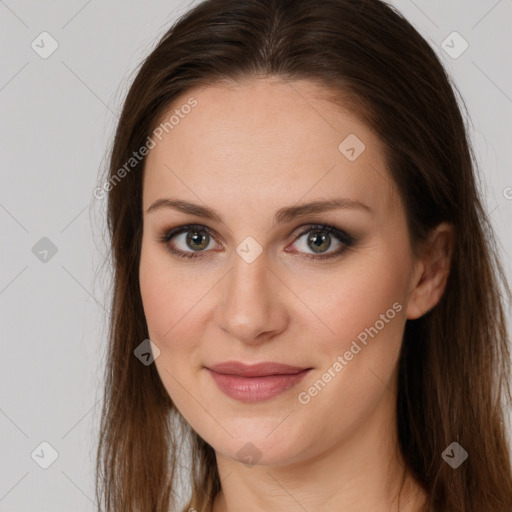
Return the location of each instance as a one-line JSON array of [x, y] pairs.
[[430, 279]]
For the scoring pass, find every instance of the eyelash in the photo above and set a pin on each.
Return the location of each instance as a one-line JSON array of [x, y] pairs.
[[343, 237]]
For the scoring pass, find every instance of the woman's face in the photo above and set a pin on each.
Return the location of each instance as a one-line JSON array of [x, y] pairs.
[[268, 285]]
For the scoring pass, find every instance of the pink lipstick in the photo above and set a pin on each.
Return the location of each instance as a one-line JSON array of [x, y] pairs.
[[256, 382]]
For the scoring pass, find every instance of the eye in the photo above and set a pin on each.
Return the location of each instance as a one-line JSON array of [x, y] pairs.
[[319, 240], [193, 237], [195, 241]]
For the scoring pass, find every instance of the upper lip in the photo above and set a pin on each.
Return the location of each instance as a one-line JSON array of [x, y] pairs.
[[255, 370]]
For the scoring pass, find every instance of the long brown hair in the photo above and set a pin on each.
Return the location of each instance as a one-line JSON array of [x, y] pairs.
[[454, 369]]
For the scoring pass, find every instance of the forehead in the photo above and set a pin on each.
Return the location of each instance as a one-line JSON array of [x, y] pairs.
[[266, 140]]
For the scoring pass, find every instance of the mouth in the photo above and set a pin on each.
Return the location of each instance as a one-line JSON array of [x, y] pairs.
[[257, 382]]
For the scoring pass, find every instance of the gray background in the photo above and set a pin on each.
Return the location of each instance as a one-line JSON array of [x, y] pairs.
[[57, 120]]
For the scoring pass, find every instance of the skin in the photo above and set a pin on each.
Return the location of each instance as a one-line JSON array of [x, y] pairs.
[[245, 151]]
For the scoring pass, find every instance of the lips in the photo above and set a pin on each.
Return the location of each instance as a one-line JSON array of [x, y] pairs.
[[256, 382], [255, 370]]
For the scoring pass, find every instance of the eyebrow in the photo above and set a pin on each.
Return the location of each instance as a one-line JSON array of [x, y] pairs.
[[282, 215]]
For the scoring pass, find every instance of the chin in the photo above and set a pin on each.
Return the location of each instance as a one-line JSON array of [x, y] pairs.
[[263, 446]]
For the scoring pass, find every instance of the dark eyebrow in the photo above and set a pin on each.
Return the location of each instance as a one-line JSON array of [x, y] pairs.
[[285, 214]]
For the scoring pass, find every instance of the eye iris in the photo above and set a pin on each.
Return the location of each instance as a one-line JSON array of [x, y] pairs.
[[194, 237], [318, 241]]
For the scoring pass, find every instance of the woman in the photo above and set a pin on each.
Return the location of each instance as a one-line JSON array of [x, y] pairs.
[[296, 227]]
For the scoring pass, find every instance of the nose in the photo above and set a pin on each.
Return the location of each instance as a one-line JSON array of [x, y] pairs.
[[251, 308]]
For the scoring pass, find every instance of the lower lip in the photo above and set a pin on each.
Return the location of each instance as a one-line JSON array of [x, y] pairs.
[[256, 389]]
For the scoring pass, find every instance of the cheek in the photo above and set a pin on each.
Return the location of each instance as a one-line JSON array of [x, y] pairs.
[[366, 290], [363, 306], [167, 296], [158, 300], [172, 300], [168, 299]]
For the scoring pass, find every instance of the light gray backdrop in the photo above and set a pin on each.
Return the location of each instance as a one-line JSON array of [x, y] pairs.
[[65, 67]]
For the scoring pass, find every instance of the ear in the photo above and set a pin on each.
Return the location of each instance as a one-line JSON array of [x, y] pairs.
[[431, 272]]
